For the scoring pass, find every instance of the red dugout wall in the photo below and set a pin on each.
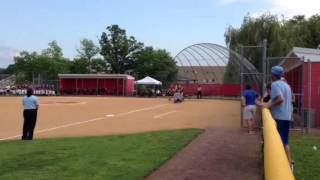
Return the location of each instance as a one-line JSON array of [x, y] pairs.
[[228, 90], [315, 89], [298, 79], [71, 84]]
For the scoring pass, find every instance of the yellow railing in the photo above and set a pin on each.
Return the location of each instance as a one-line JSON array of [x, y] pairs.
[[276, 165]]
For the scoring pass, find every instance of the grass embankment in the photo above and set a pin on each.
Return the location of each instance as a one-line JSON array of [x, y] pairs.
[[110, 157], [306, 157]]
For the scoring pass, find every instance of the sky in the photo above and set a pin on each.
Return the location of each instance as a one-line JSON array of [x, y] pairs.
[[167, 24]]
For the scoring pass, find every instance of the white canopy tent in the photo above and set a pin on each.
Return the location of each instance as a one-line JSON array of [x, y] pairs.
[[148, 81]]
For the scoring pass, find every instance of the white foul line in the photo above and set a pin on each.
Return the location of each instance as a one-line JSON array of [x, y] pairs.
[[54, 128], [164, 114], [63, 103], [143, 109], [83, 122], [68, 125], [11, 137]]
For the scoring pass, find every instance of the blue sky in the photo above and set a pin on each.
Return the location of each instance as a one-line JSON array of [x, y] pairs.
[[167, 24]]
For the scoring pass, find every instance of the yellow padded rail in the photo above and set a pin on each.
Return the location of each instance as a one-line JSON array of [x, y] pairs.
[[276, 165]]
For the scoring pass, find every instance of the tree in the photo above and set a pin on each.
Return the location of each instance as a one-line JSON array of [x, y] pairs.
[[80, 66], [282, 35], [98, 65], [252, 32], [41, 68], [88, 62], [87, 50], [156, 63], [10, 69], [31, 66], [314, 27], [2, 70], [53, 51], [118, 50], [25, 56]]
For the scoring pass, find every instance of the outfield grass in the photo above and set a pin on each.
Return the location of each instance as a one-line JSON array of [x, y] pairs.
[[110, 157], [307, 160]]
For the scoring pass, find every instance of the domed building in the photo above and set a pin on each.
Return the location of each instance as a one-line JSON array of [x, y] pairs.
[[211, 63], [219, 70]]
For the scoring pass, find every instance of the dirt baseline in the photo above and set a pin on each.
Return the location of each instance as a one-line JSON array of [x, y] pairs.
[[92, 116]]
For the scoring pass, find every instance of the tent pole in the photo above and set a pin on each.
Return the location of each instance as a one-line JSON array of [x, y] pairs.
[[117, 86], [76, 86], [122, 87], [97, 84]]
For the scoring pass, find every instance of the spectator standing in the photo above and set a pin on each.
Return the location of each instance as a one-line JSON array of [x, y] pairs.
[[199, 92], [30, 106], [248, 102], [281, 107]]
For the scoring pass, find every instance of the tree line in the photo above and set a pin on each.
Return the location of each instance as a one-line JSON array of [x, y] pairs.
[[119, 53], [281, 34], [116, 53]]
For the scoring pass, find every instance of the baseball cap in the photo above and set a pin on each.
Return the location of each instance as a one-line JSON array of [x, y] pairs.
[[277, 71]]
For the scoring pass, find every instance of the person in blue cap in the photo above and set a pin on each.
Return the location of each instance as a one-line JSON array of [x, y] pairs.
[[281, 106]]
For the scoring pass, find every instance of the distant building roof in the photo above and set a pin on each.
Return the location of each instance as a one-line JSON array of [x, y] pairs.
[[297, 56], [306, 53], [95, 76]]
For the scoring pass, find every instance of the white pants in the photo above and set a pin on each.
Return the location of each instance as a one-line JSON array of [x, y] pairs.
[[249, 112]]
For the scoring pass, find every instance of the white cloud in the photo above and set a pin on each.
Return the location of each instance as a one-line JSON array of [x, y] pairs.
[[6, 56], [289, 8]]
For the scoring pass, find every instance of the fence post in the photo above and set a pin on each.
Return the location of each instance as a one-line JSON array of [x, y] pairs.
[[264, 60], [241, 82], [309, 96], [241, 111]]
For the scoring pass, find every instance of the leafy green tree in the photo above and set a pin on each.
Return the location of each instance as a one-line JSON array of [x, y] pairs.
[[88, 49], [10, 69], [252, 32], [88, 62], [282, 35], [1, 70], [43, 67], [98, 65], [157, 64], [25, 56], [53, 51], [80, 66], [314, 27], [118, 50]]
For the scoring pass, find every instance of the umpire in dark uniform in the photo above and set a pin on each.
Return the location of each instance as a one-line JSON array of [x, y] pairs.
[[30, 106]]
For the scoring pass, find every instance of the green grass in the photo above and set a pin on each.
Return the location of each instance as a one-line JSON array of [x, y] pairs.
[[307, 160], [110, 157]]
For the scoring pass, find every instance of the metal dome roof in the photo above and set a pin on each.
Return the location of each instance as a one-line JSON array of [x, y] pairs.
[[206, 55]]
